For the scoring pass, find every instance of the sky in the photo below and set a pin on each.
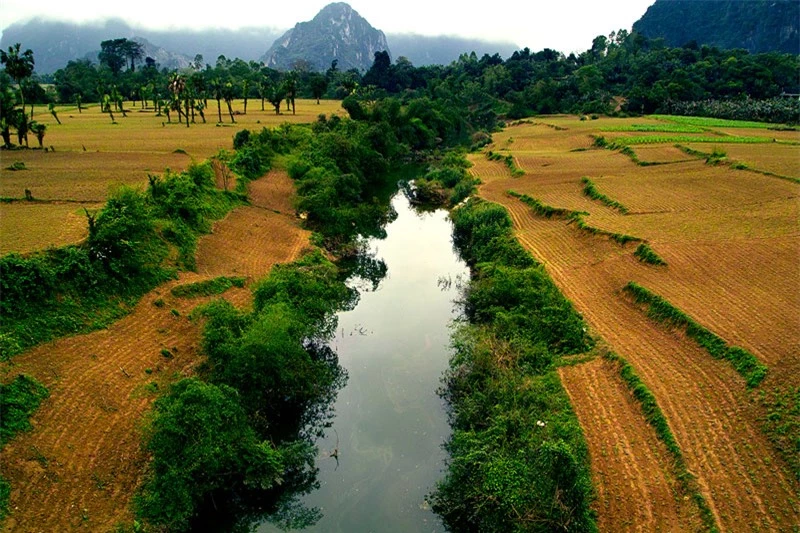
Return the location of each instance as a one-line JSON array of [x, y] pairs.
[[564, 25]]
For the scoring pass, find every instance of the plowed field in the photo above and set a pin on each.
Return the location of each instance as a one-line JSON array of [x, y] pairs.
[[616, 432], [732, 242], [78, 468]]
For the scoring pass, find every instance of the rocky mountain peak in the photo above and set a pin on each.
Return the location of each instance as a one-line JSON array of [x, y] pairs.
[[336, 32]]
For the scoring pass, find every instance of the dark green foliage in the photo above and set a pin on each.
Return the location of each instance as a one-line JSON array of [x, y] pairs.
[[655, 417], [18, 401], [661, 310], [518, 458], [590, 190], [201, 443], [5, 495], [231, 449], [446, 182], [645, 254], [207, 288]]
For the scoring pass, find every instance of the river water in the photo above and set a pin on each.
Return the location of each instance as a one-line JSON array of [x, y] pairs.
[[383, 453]]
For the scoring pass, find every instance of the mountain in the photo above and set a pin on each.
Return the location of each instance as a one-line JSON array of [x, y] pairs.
[[337, 32], [424, 50], [755, 25], [54, 43]]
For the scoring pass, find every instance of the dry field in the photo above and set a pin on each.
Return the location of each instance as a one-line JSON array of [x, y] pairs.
[[78, 468], [731, 239], [93, 155]]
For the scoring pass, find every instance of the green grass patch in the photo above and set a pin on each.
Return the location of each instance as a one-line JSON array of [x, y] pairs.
[[572, 217], [781, 422], [508, 160], [590, 190], [662, 311], [209, 287], [16, 166], [655, 417], [18, 401], [645, 254]]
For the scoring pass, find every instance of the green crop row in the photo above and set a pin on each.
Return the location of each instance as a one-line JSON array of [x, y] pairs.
[[509, 162], [590, 190], [572, 217], [646, 254], [661, 310], [672, 139]]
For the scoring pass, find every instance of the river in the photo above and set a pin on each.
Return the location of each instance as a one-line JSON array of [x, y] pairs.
[[383, 453]]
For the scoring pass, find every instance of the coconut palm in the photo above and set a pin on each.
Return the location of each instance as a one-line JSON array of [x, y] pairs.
[[19, 65], [39, 129]]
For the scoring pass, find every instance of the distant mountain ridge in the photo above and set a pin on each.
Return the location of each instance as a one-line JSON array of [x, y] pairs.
[[337, 32], [755, 25], [54, 43]]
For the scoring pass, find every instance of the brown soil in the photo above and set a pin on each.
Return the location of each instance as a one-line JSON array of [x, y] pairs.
[[78, 468], [625, 452]]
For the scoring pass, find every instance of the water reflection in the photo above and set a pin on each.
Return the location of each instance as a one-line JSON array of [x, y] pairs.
[[383, 453]]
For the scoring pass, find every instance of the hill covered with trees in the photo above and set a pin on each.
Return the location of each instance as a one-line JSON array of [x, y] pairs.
[[755, 25]]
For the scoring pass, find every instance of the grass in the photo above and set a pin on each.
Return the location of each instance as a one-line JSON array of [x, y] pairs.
[[590, 190], [575, 217], [781, 423], [645, 254], [516, 172], [660, 310], [208, 288], [655, 417]]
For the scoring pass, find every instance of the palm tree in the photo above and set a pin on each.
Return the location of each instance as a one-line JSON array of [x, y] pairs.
[[39, 130], [177, 86], [227, 94], [245, 90], [18, 65], [216, 88], [52, 108]]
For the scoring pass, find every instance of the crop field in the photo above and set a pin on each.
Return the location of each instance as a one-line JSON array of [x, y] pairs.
[[730, 239], [92, 155], [78, 467]]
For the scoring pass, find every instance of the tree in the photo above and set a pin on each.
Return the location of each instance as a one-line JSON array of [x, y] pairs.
[[132, 51], [245, 91], [113, 54], [227, 94], [52, 108], [18, 65], [39, 129], [216, 89], [319, 84]]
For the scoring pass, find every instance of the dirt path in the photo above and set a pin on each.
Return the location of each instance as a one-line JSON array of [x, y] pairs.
[[625, 452], [77, 469]]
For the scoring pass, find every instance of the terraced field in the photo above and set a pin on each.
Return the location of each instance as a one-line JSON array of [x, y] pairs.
[[731, 240]]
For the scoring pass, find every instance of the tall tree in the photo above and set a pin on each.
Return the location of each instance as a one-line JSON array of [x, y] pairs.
[[132, 51], [19, 65], [113, 54]]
